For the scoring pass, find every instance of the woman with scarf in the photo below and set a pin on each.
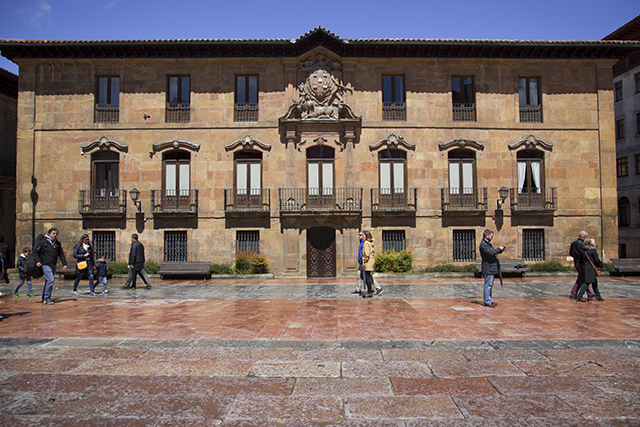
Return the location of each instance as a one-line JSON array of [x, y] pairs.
[[590, 261], [83, 252]]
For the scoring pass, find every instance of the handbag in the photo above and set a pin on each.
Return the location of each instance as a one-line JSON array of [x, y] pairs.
[[82, 265], [598, 271]]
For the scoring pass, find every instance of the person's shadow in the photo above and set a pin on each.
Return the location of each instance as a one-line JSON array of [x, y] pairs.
[[7, 315]]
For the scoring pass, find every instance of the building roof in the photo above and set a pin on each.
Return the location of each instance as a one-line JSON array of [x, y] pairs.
[[222, 48], [629, 31], [8, 83]]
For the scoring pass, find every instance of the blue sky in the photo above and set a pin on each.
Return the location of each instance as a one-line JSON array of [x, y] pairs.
[[288, 19]]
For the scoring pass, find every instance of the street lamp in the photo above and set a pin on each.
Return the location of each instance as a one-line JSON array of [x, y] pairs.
[[504, 193], [135, 195]]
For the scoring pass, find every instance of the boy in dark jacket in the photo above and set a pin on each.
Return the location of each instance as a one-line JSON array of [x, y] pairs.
[[21, 265], [102, 266]]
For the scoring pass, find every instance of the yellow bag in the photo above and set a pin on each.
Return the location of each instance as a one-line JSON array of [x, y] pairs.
[[82, 265]]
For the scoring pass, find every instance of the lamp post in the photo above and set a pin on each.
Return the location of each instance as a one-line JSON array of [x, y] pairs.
[[504, 193], [135, 195]]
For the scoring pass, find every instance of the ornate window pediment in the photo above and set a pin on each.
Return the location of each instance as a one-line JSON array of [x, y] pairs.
[[104, 144], [531, 143], [320, 140], [391, 142], [461, 144], [247, 143], [176, 144]]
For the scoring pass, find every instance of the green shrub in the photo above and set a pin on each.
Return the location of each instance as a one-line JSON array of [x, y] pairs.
[[549, 267], [251, 263], [450, 268], [151, 267], [220, 269], [118, 268], [396, 262], [608, 267]]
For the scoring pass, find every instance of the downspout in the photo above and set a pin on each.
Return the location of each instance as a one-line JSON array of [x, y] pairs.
[[34, 181], [600, 168]]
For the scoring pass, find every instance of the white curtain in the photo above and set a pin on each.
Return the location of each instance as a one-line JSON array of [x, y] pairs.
[[170, 178], [467, 178], [314, 179], [241, 178], [184, 179], [255, 178], [398, 178], [535, 173], [454, 178], [385, 178], [327, 178], [522, 173]]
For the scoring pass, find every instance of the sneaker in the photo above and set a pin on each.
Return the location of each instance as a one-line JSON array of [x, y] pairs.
[[15, 294], [48, 301], [379, 292], [572, 297], [93, 294], [148, 287], [2, 294], [106, 291], [30, 295], [75, 292]]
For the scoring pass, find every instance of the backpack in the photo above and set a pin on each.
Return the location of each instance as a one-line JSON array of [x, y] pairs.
[[30, 263]]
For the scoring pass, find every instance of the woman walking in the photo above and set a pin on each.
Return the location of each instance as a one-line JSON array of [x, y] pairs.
[[368, 260], [590, 261], [83, 253]]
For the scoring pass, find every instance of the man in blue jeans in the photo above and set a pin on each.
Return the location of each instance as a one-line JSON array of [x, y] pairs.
[[46, 252], [489, 265]]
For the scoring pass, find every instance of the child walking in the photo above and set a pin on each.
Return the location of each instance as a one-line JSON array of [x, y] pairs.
[[101, 269], [22, 268]]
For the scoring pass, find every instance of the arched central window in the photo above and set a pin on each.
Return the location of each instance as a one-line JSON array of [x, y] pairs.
[[393, 177], [463, 192], [105, 195], [177, 180], [320, 161], [530, 172], [248, 179]]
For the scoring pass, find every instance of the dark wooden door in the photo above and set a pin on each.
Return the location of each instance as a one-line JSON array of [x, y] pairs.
[[321, 252]]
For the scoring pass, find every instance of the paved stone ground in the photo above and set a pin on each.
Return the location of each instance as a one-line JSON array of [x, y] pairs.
[[301, 353]]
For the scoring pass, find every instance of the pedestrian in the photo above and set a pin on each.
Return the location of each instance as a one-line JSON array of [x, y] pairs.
[[5, 251], [136, 263], [85, 263], [47, 251], [489, 265], [575, 250], [368, 262], [21, 265], [590, 261], [360, 285], [102, 266]]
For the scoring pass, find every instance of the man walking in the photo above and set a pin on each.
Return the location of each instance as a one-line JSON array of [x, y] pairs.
[[136, 262], [575, 250], [489, 265], [47, 251]]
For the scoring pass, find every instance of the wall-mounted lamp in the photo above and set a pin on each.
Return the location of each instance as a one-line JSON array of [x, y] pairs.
[[504, 193], [144, 116], [135, 195]]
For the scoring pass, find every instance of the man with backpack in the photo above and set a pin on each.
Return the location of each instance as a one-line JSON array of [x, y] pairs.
[[47, 251]]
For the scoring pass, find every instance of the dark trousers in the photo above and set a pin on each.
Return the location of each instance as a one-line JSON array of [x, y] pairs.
[[579, 280]]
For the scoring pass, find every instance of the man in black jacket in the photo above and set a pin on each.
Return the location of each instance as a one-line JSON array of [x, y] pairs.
[[575, 250], [136, 262], [489, 265], [46, 252]]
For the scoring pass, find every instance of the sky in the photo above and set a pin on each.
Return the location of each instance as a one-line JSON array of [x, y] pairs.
[[290, 19]]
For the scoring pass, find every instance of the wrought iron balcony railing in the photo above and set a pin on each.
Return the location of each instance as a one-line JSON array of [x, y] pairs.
[[545, 200], [247, 112], [247, 200], [174, 201], [463, 199], [394, 199], [320, 199], [394, 112], [106, 113], [464, 112], [531, 114], [178, 113], [102, 201]]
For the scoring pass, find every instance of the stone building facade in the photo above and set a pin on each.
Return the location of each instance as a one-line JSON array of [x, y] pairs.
[[8, 134], [289, 147]]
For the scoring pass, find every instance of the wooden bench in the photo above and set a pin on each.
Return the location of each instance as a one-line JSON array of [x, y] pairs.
[[626, 265], [71, 270], [185, 269], [508, 266]]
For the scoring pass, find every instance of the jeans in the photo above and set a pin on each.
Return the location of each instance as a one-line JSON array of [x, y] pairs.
[[79, 275], [579, 280], [585, 286], [488, 287], [49, 273], [22, 283], [103, 280]]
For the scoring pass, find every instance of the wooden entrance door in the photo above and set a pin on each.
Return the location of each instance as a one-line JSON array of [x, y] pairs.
[[321, 252]]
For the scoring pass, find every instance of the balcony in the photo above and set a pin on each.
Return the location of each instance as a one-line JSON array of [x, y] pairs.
[[251, 201], [460, 200], [531, 114], [178, 113], [176, 202], [464, 112], [246, 112], [546, 201], [301, 201], [386, 200], [394, 112], [102, 202], [106, 113]]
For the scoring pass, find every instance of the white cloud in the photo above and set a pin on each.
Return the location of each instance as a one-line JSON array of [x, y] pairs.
[[110, 5], [41, 15]]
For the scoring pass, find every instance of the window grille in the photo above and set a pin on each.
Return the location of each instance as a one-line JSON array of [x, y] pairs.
[[175, 246], [393, 241], [248, 241], [104, 244], [464, 246], [533, 245]]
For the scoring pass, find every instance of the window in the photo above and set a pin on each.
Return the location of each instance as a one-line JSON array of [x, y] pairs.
[[624, 212], [393, 240], [178, 99], [175, 246], [108, 100], [533, 245], [248, 182], [637, 164], [320, 175], [529, 97], [637, 123], [464, 246], [393, 102], [530, 171], [622, 166], [246, 105], [248, 241], [620, 129], [176, 194], [638, 83], [393, 166], [622, 250], [462, 188], [105, 193], [464, 99], [617, 88], [104, 244]]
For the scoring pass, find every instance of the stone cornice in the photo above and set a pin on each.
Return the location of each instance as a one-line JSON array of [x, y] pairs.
[[247, 143], [391, 142], [104, 144], [176, 144], [461, 144], [531, 143]]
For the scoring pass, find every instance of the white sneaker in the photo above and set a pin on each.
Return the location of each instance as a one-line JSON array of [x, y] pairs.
[[75, 292], [2, 294], [106, 291]]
